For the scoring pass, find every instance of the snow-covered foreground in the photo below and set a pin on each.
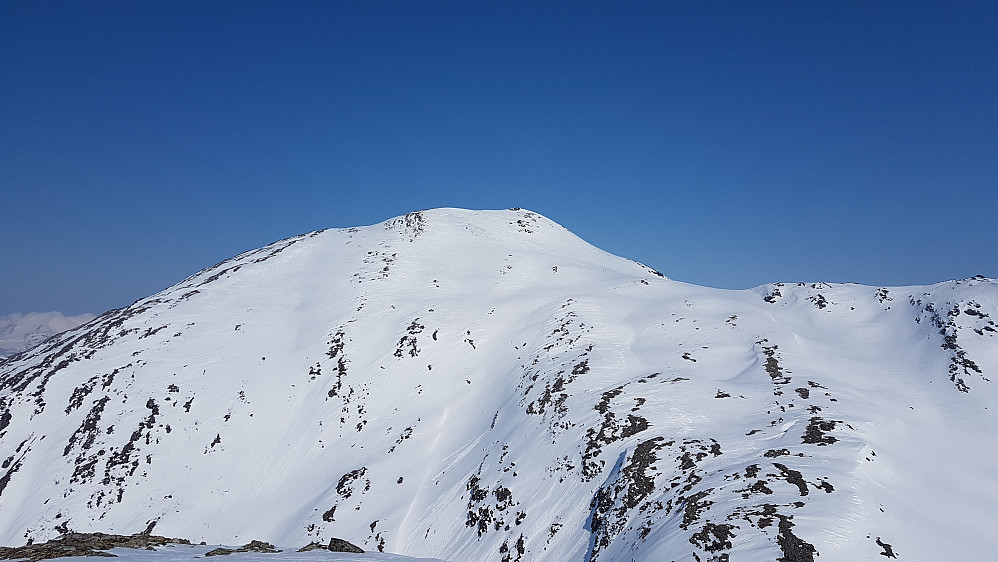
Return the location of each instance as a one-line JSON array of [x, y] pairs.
[[486, 386], [187, 553]]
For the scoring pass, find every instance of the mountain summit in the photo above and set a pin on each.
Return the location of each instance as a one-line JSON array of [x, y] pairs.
[[484, 385]]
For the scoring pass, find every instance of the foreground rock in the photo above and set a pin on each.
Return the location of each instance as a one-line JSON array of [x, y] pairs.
[[335, 545], [312, 546], [252, 546], [85, 544], [96, 544], [340, 545]]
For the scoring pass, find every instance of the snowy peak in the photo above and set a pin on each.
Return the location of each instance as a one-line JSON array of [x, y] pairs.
[[19, 332], [485, 385], [466, 242]]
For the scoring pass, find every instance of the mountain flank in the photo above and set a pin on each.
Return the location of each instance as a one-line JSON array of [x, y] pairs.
[[484, 385]]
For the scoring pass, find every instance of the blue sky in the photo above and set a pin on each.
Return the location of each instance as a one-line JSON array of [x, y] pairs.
[[726, 144]]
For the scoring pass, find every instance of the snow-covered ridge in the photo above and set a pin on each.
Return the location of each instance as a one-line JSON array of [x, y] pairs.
[[484, 385], [19, 332]]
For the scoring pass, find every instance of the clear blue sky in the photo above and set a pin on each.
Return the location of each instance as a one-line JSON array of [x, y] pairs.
[[726, 144]]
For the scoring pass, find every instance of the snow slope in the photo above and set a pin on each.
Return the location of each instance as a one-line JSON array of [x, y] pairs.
[[19, 332], [484, 385]]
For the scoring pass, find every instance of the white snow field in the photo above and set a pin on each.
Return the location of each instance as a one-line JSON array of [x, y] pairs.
[[484, 385]]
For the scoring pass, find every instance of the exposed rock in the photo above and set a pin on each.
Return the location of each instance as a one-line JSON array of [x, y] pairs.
[[252, 546], [794, 548], [85, 544], [888, 549], [340, 545]]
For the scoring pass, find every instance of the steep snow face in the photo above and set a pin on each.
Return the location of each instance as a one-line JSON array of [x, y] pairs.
[[486, 386], [19, 332]]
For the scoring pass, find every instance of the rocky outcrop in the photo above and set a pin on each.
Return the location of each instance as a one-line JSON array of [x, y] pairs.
[[85, 544], [252, 546], [340, 545]]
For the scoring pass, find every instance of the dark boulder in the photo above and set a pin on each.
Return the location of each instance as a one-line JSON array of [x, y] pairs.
[[340, 545]]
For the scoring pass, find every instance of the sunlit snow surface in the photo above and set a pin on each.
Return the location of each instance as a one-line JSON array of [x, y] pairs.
[[486, 386]]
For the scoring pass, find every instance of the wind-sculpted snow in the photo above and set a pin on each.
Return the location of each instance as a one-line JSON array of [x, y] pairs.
[[486, 386]]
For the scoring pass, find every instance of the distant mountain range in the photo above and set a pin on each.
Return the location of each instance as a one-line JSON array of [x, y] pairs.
[[19, 332], [484, 385]]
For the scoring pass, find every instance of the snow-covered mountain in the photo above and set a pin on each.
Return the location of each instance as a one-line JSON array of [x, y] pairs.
[[484, 385], [19, 332]]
